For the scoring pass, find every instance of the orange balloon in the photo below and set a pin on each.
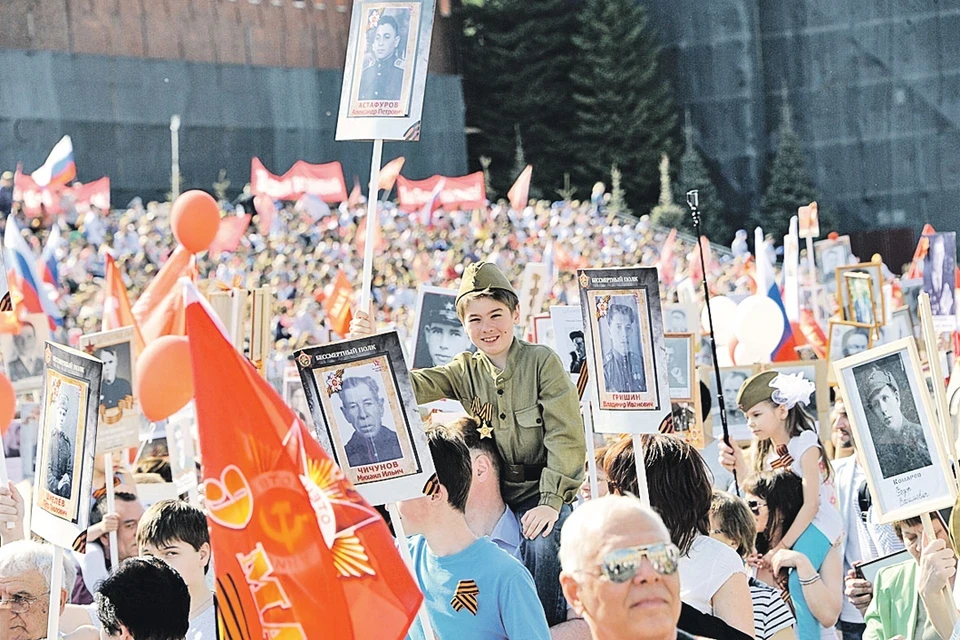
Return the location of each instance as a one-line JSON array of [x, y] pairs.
[[8, 403], [195, 218], [164, 377]]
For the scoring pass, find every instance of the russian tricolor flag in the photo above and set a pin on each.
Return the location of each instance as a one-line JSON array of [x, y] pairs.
[[24, 276], [767, 285], [47, 265], [59, 168]]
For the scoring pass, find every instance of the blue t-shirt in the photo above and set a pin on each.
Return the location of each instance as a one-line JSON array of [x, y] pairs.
[[480, 593]]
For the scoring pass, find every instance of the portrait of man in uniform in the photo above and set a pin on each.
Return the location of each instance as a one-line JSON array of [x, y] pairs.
[[60, 447], [676, 320], [938, 273], [383, 78], [23, 353], [362, 406], [579, 353], [623, 368], [891, 413], [115, 387], [441, 335], [730, 382]]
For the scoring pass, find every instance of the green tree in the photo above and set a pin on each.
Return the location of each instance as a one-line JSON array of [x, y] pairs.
[[618, 197], [625, 113], [694, 175], [516, 60], [667, 213], [788, 183]]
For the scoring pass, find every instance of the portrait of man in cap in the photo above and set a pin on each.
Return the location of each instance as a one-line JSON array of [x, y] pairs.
[[891, 412], [579, 353], [623, 369], [440, 335]]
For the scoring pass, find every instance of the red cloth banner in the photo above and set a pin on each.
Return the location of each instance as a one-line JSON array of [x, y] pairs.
[[57, 199], [462, 192], [231, 232], [322, 180]]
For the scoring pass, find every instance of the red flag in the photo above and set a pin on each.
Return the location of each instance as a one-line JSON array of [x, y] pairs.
[[338, 304], [389, 173], [667, 262], [379, 244], [159, 309], [812, 333], [696, 272], [266, 212], [299, 554], [353, 200], [116, 305], [230, 233], [519, 193]]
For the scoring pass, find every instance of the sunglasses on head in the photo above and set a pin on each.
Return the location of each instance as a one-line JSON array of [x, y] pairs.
[[622, 565]]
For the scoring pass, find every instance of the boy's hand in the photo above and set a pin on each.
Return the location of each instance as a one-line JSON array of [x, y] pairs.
[[539, 520], [362, 324]]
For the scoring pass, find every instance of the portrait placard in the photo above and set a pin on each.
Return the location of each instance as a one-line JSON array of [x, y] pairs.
[[543, 330], [731, 379], [808, 221], [686, 422], [571, 345], [900, 326], [182, 448], [898, 443], [861, 299], [385, 73], [438, 333], [939, 281], [875, 271], [818, 406], [66, 444], [625, 348], [23, 353], [533, 289], [845, 339], [293, 395], [910, 292], [681, 318], [829, 255], [366, 416], [681, 369], [119, 424]]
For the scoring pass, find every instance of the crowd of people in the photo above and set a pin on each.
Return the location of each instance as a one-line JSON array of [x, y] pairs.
[[509, 542]]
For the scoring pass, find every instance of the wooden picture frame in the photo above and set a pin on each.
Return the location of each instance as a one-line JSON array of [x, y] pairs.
[[875, 271]]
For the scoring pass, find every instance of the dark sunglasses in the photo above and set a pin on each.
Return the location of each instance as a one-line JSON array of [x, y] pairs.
[[622, 565]]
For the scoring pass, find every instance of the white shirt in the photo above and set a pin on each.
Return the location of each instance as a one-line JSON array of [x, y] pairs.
[[706, 567]]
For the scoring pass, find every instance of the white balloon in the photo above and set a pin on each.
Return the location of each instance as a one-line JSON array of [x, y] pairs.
[[724, 319], [745, 353], [759, 324]]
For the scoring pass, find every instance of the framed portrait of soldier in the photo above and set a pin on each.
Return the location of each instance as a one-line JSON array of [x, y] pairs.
[[899, 326], [439, 335], [830, 255], [731, 379], [66, 444], [571, 345], [685, 422], [939, 281], [681, 368], [899, 444], [681, 318], [861, 299], [23, 352], [625, 347], [366, 416], [875, 273], [385, 73], [119, 424], [845, 339]]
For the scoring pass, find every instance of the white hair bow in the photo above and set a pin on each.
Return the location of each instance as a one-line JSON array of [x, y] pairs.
[[790, 389]]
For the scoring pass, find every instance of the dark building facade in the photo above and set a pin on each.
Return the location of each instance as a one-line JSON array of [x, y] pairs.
[[872, 87], [247, 78]]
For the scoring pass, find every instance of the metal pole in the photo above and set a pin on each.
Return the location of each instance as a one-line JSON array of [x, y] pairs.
[[693, 201], [175, 155]]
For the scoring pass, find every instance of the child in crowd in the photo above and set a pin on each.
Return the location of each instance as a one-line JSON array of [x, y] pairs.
[[732, 524], [473, 589], [785, 438], [602, 488], [524, 399]]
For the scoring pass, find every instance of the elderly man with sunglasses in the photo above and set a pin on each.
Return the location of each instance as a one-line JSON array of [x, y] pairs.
[[620, 571]]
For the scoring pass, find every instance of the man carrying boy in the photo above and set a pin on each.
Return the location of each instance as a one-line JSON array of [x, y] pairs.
[[176, 532], [473, 589], [524, 399]]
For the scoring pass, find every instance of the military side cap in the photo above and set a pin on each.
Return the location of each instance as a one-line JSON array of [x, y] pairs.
[[755, 390], [481, 276], [443, 314], [876, 380]]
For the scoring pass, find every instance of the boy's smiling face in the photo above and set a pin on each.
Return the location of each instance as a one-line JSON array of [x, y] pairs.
[[490, 325]]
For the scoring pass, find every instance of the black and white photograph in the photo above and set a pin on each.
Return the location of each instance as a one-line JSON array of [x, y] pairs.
[[939, 280], [119, 425], [910, 292], [899, 326], [731, 379], [875, 272], [681, 370], [66, 444], [625, 347], [570, 343], [439, 335], [845, 339], [681, 318], [23, 352], [294, 395], [861, 299], [831, 255], [893, 423], [385, 71], [366, 416]]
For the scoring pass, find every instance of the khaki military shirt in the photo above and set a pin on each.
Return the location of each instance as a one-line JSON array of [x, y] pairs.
[[534, 411]]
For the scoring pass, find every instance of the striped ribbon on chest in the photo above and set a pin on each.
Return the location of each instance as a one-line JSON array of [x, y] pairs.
[[465, 597]]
